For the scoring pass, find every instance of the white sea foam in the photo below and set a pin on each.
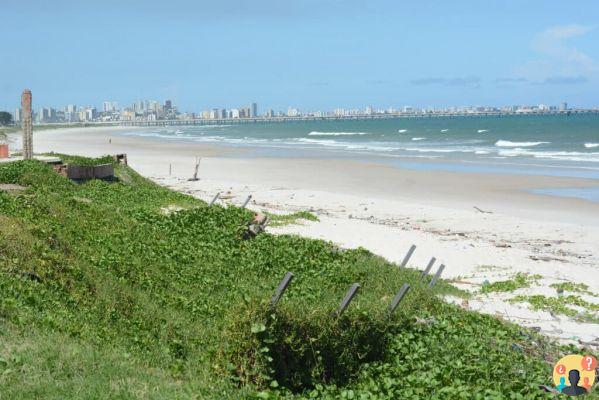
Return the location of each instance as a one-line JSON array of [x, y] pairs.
[[480, 152], [591, 145], [551, 155], [482, 130], [507, 143], [402, 130], [444, 130], [418, 138], [316, 133], [425, 150]]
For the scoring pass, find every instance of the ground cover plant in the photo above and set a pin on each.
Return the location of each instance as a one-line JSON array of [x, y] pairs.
[[103, 295], [519, 281]]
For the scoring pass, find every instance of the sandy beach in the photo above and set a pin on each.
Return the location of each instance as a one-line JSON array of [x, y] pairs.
[[483, 227]]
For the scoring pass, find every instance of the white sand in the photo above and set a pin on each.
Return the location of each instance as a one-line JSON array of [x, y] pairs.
[[385, 210]]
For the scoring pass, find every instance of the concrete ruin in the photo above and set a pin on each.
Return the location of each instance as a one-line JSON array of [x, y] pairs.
[[27, 125]]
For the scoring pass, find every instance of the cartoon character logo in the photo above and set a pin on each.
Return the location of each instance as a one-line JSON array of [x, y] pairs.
[[574, 374]]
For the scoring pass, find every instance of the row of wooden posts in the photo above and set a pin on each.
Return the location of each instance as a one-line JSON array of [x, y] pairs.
[[353, 290], [216, 197]]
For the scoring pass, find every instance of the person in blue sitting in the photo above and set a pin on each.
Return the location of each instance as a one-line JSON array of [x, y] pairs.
[[574, 389]]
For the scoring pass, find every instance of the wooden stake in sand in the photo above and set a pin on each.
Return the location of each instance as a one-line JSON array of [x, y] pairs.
[[170, 169], [407, 257], [398, 297], [245, 203], [214, 199], [437, 275], [195, 173], [428, 267], [347, 299], [281, 289]]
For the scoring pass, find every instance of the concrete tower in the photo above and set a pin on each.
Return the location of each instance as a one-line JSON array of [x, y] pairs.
[[26, 125]]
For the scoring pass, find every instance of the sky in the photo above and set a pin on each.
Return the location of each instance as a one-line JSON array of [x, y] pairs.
[[309, 54]]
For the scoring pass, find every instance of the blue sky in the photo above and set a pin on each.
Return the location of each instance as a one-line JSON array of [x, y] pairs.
[[311, 54]]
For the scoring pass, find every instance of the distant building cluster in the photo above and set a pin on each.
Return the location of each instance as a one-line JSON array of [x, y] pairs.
[[110, 111], [144, 110]]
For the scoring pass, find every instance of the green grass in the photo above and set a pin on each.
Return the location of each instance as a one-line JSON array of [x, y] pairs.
[[519, 281], [287, 219], [572, 287], [104, 296], [559, 305]]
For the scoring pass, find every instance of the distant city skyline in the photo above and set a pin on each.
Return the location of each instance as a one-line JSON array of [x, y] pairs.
[[309, 55]]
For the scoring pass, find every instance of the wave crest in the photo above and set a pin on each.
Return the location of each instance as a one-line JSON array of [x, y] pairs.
[[507, 143], [316, 133]]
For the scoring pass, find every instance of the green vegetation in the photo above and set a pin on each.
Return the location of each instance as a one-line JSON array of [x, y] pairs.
[[519, 281], [104, 296], [5, 118], [286, 219], [572, 287], [559, 305]]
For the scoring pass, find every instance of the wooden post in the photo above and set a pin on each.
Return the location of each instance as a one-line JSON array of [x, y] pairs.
[[197, 167], [281, 289], [398, 297], [437, 275], [428, 267], [407, 257], [347, 299], [214, 199], [245, 203], [170, 169]]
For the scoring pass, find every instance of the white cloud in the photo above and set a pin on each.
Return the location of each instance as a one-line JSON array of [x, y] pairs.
[[558, 56]]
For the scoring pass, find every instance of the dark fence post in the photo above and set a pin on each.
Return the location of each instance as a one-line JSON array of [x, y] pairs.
[[398, 297], [407, 257], [348, 298], [429, 267], [214, 199], [281, 289], [437, 275], [245, 203]]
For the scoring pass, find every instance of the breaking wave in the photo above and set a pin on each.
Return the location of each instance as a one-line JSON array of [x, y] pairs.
[[507, 143], [591, 145], [316, 133]]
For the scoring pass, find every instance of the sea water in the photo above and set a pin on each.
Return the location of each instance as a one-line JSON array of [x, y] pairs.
[[556, 145]]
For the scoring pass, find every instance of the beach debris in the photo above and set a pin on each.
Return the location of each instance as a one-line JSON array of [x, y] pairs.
[[437, 276], [398, 297], [425, 321], [281, 289], [257, 226], [546, 258], [121, 158], [214, 199], [347, 299], [10, 187], [195, 172], [482, 211], [407, 257]]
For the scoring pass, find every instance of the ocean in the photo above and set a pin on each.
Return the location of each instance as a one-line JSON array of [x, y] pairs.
[[556, 145]]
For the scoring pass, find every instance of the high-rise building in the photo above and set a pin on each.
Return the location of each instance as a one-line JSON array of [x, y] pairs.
[[563, 106], [168, 105], [253, 110], [17, 115], [109, 106]]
